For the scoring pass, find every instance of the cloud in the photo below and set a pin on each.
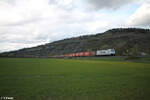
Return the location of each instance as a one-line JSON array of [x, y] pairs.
[[107, 4], [141, 17], [7, 46], [26, 23]]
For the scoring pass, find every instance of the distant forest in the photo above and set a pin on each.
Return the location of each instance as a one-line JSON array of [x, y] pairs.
[[126, 42]]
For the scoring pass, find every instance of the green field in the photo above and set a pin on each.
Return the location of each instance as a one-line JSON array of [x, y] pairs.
[[66, 79]]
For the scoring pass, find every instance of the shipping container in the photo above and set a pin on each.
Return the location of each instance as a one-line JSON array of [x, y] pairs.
[[88, 54], [81, 54]]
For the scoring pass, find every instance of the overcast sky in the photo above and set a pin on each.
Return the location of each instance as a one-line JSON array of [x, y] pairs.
[[27, 23]]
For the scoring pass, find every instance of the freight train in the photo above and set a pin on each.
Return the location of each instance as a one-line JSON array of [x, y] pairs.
[[108, 52]]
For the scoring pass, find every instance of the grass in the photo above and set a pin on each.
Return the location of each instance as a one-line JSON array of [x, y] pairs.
[[65, 79], [118, 58]]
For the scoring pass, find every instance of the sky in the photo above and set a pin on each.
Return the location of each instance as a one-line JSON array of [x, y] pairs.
[[28, 23]]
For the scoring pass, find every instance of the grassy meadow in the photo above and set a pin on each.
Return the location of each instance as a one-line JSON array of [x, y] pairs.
[[73, 79]]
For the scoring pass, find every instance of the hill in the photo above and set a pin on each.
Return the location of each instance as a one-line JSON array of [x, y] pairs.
[[126, 41]]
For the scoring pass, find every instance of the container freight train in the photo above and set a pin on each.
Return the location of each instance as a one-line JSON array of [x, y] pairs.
[[108, 52]]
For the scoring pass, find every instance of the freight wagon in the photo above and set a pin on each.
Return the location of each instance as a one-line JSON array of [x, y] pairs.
[[108, 52]]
